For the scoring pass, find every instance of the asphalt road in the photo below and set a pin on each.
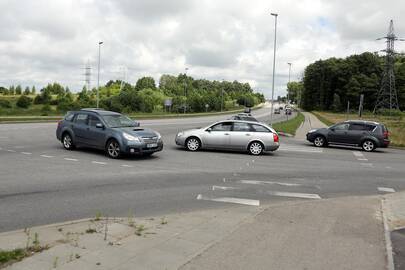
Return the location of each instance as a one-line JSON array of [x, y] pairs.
[[42, 183]]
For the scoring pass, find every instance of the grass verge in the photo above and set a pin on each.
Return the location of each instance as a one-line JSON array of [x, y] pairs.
[[395, 124], [290, 126], [137, 116], [8, 257]]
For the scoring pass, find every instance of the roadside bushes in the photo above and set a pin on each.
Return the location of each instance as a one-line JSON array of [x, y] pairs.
[[24, 102], [5, 104]]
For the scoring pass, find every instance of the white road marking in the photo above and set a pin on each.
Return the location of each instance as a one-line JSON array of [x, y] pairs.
[[296, 149], [230, 200], [359, 155], [127, 166], [257, 182], [294, 195], [11, 151], [223, 188], [46, 156], [99, 162], [367, 164], [388, 243], [386, 189], [362, 159], [26, 153], [70, 159]]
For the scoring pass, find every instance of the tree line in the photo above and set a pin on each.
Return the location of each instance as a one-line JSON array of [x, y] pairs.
[[330, 84], [182, 92]]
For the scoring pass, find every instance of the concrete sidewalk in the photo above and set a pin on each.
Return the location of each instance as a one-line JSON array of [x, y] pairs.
[[342, 233], [311, 122]]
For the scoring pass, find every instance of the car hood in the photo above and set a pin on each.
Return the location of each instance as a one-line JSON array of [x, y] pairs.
[[139, 132], [319, 130]]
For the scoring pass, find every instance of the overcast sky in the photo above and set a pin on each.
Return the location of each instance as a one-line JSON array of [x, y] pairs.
[[43, 41]]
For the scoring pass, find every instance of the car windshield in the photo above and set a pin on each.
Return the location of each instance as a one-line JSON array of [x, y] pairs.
[[118, 120]]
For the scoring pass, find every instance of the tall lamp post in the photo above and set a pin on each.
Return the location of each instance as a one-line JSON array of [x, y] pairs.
[[289, 80], [98, 73], [185, 90], [274, 66]]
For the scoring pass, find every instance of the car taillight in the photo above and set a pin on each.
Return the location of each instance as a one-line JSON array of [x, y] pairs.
[[275, 137], [386, 134], [59, 122]]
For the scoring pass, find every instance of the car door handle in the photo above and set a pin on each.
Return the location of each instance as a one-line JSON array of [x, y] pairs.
[[247, 134], [226, 134]]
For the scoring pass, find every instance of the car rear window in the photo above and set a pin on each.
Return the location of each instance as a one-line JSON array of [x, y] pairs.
[[370, 127]]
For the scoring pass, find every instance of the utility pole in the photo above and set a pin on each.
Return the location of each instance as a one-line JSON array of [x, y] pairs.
[[274, 66], [222, 96], [98, 74], [289, 80], [185, 89]]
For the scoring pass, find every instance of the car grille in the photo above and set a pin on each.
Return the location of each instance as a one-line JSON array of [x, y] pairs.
[[150, 139]]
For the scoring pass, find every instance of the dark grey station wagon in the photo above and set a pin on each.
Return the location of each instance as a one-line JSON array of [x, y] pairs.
[[113, 132]]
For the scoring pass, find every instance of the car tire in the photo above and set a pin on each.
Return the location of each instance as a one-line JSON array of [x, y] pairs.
[[368, 145], [256, 148], [320, 141], [67, 141], [113, 149], [193, 144]]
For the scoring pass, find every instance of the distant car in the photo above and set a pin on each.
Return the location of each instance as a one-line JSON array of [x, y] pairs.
[[244, 117], [365, 134], [252, 137], [113, 132], [281, 108], [276, 111], [288, 111]]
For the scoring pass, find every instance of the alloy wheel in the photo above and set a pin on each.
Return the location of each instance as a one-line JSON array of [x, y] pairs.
[[67, 141], [319, 141], [193, 144], [256, 148], [368, 146], [113, 149]]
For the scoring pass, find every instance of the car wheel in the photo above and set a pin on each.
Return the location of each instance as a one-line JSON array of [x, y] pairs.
[[113, 149], [256, 148], [193, 144], [368, 145], [67, 142], [319, 141]]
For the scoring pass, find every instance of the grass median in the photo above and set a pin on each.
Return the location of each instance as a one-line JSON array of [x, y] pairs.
[[290, 126], [395, 124]]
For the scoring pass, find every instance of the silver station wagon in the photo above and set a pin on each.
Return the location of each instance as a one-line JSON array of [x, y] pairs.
[[252, 137]]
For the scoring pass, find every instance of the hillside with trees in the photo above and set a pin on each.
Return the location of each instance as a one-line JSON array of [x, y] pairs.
[[146, 96], [329, 84]]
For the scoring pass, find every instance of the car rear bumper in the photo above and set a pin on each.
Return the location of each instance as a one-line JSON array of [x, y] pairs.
[[273, 147]]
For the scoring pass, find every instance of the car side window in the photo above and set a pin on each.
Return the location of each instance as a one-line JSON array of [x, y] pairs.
[[239, 126], [357, 126], [94, 120], [69, 116], [225, 126], [81, 119], [260, 128], [344, 126], [370, 127]]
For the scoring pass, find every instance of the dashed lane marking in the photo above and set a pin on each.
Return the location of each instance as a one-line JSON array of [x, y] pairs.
[[127, 166], [11, 151], [359, 156], [46, 156], [386, 189], [257, 182], [70, 159], [26, 153], [223, 188], [294, 195], [367, 164], [230, 200], [298, 149], [99, 162]]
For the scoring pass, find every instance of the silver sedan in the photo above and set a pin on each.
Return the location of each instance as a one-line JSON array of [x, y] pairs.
[[252, 137]]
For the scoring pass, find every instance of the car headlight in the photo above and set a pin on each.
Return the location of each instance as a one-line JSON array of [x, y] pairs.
[[130, 137], [158, 135], [180, 134], [312, 130]]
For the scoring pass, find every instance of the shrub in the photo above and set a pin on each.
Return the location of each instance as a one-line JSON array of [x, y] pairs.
[[5, 103], [24, 102]]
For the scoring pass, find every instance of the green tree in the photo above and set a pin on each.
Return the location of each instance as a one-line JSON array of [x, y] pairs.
[[33, 90], [145, 83], [18, 90], [24, 102], [27, 91]]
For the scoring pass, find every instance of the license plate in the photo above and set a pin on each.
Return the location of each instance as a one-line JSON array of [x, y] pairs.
[[151, 145]]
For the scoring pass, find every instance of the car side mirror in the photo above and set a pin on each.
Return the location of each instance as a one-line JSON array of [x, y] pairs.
[[332, 129], [208, 129], [99, 125]]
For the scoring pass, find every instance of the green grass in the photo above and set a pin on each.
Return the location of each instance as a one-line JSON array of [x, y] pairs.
[[7, 256], [290, 126], [395, 124], [34, 115]]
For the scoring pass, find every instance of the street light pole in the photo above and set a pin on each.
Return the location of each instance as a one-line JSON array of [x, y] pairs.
[[98, 74], [185, 90], [274, 66], [289, 79], [222, 96]]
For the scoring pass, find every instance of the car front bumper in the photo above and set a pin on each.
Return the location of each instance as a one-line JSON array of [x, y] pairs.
[[142, 148]]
